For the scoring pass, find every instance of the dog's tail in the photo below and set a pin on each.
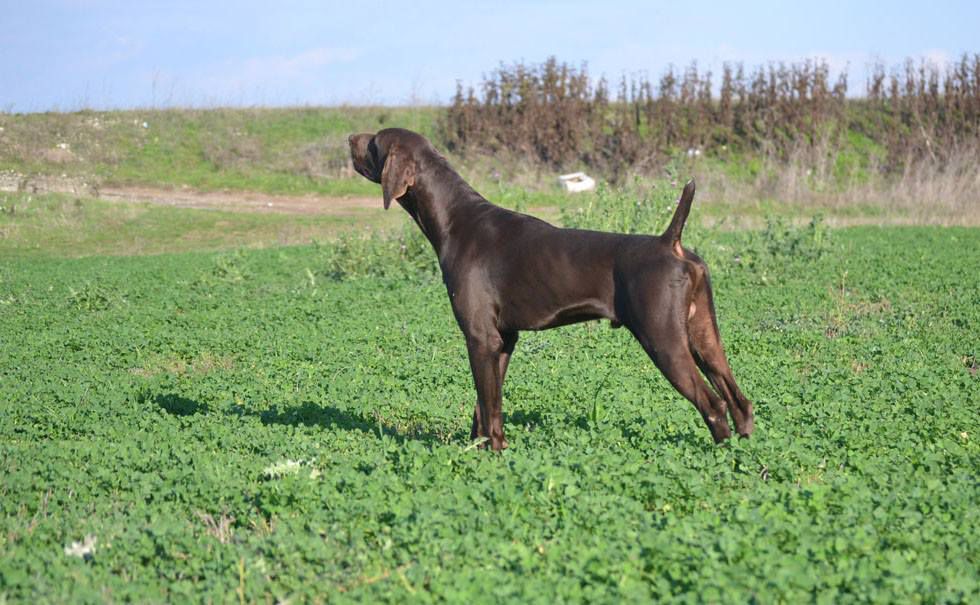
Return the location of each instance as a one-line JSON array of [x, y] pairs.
[[673, 233]]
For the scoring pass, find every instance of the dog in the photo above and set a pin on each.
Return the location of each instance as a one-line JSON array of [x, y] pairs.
[[506, 272]]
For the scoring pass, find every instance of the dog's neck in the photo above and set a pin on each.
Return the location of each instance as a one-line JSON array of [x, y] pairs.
[[439, 182]]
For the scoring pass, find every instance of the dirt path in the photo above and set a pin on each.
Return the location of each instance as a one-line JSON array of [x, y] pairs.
[[185, 197], [241, 201], [227, 200]]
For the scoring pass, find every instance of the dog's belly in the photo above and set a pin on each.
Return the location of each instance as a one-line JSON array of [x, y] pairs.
[[585, 311], [550, 309]]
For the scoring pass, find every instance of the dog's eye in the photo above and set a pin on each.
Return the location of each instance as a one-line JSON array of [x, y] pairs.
[[372, 148]]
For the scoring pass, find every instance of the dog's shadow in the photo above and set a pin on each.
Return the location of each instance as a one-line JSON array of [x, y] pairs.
[[328, 417], [176, 405], [310, 414], [524, 418]]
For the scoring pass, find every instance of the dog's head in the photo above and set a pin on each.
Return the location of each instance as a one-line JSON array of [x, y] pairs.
[[389, 158]]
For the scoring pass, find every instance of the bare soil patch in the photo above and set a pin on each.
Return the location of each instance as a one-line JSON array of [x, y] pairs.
[[186, 197], [241, 201]]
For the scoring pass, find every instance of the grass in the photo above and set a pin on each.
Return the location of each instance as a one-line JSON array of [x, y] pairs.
[[68, 226], [299, 150], [195, 409], [62, 225], [244, 427], [57, 225]]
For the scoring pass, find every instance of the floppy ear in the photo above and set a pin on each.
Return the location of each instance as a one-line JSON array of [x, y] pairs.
[[397, 176]]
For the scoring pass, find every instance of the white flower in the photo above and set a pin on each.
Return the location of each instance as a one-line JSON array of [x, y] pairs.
[[84, 549], [281, 469]]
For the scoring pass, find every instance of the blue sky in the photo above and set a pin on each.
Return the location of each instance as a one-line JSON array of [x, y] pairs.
[[89, 53]]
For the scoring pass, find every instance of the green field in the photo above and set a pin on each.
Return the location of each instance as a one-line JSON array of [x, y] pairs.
[[291, 425], [195, 408]]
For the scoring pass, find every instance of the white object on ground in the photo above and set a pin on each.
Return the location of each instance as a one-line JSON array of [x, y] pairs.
[[84, 549], [577, 181]]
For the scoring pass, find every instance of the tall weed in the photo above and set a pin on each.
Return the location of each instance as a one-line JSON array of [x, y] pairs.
[[377, 253], [632, 210]]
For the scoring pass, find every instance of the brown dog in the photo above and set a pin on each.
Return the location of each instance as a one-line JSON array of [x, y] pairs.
[[507, 272]]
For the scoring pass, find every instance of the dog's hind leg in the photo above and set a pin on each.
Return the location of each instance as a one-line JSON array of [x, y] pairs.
[[707, 350], [679, 368], [659, 322]]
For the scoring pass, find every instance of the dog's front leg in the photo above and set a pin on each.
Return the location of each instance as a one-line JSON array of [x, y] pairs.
[[510, 340], [485, 351]]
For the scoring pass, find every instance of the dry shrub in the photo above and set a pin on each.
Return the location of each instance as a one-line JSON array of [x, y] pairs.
[[923, 111], [556, 115]]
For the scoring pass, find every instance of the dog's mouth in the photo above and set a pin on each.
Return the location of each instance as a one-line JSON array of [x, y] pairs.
[[361, 170], [361, 164], [361, 158]]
